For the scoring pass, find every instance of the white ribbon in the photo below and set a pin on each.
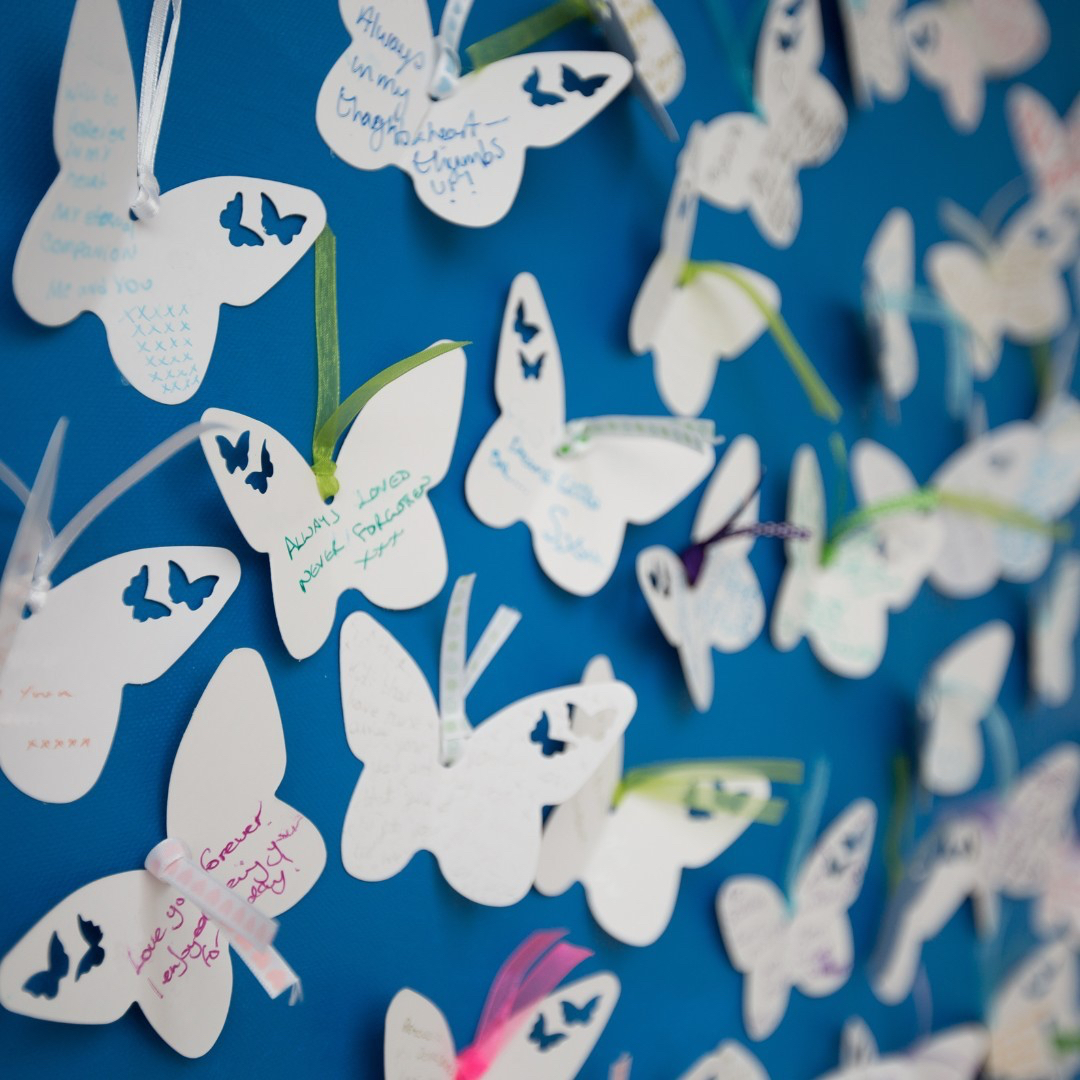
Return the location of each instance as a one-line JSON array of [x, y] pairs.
[[457, 676], [34, 532], [250, 932], [157, 68], [36, 551], [696, 434], [447, 68]]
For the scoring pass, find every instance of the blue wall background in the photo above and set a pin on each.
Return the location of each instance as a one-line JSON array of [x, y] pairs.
[[587, 224]]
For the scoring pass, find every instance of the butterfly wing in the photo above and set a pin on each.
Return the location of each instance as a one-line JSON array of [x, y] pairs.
[[376, 95], [487, 836], [575, 827], [60, 690], [563, 1058], [996, 466], [392, 726], [962, 687], [418, 1044], [805, 509], [754, 924], [81, 230], [889, 277], [897, 551], [947, 867], [398, 554], [1035, 1002], [876, 49], [707, 320], [659, 61], [1008, 36], [503, 477], [1036, 827], [729, 1061], [162, 332], [942, 55], [1054, 621], [468, 162], [156, 954], [632, 879], [230, 817], [955, 1054], [828, 883]]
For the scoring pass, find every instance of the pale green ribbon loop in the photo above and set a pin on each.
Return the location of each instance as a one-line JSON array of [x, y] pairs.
[[458, 675], [696, 434], [1066, 1042], [526, 33], [820, 396], [697, 785], [929, 499], [331, 418]]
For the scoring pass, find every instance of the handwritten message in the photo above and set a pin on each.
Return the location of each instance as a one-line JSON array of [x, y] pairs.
[[363, 532]]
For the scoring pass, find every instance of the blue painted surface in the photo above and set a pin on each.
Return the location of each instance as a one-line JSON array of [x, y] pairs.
[[586, 223]]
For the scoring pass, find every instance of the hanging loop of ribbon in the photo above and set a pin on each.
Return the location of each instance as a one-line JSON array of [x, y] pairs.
[[37, 550], [821, 397], [693, 557], [696, 434], [810, 811], [928, 499], [530, 973], [458, 674], [333, 416], [447, 67], [699, 786], [157, 70], [526, 33], [249, 931], [922, 305]]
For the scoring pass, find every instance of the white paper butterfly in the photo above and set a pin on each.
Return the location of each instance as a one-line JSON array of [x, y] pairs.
[[889, 274], [690, 326], [465, 152], [630, 856], [551, 1043], [1013, 288], [157, 285], [752, 162], [658, 60], [1054, 621], [576, 489], [876, 49], [960, 690], [723, 608], [842, 607], [379, 534], [1030, 467], [1012, 848], [729, 1061], [809, 945], [129, 938], [125, 620], [480, 817], [1035, 1003], [954, 1054], [956, 46]]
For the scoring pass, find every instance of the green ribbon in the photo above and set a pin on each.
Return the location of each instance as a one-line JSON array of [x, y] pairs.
[[821, 398], [526, 33], [928, 498], [1066, 1042], [694, 785], [333, 416]]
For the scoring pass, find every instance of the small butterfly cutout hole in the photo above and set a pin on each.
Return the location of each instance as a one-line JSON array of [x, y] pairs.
[[542, 737]]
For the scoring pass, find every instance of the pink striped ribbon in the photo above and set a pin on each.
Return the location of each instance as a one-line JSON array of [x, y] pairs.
[[250, 932]]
